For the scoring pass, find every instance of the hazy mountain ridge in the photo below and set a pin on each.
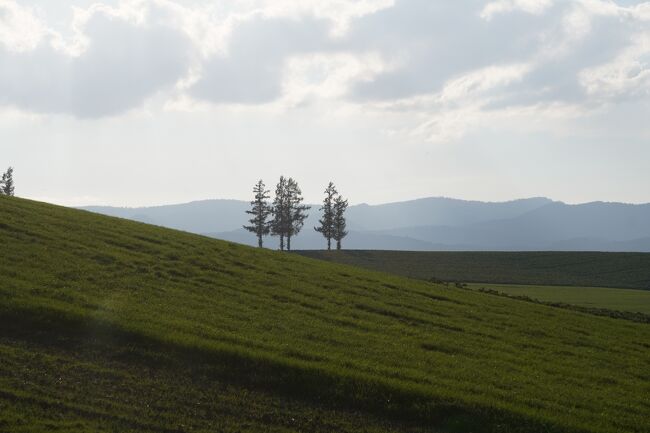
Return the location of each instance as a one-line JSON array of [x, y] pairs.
[[590, 226], [433, 223], [198, 216], [439, 211]]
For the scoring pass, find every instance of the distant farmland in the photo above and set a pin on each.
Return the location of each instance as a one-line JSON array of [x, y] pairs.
[[584, 269], [633, 300]]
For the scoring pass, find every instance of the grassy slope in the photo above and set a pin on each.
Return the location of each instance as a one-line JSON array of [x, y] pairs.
[[585, 269], [591, 297], [111, 325], [55, 379]]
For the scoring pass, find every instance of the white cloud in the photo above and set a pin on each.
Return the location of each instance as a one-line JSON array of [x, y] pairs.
[[460, 105], [627, 75], [326, 76], [451, 125], [476, 83], [475, 87], [375, 54], [504, 6], [20, 29], [121, 64], [340, 12]]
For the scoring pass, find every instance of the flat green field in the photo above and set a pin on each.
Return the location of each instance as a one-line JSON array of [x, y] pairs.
[[109, 325], [582, 269], [591, 297]]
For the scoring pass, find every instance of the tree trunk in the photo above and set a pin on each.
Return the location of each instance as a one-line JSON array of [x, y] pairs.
[[288, 243], [281, 242], [259, 240], [329, 244], [338, 244]]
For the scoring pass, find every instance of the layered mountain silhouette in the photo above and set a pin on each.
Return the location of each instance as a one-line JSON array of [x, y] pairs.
[[534, 224]]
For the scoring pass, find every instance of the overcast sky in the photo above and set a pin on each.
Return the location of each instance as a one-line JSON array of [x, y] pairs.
[[160, 101]]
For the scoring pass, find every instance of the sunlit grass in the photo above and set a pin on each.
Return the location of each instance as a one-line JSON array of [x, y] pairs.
[[332, 335]]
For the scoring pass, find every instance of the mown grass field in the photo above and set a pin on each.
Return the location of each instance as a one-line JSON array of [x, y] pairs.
[[112, 325], [582, 269], [590, 297]]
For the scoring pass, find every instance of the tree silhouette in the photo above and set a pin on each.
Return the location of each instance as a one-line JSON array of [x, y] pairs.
[[339, 232], [7, 182], [279, 209], [295, 210], [260, 210], [326, 227], [289, 213]]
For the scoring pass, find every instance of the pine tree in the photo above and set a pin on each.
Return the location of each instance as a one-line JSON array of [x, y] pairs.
[[288, 212], [279, 210], [339, 232], [7, 182], [260, 210], [296, 211], [327, 222]]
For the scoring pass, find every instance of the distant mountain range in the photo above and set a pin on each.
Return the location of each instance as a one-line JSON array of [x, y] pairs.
[[431, 224]]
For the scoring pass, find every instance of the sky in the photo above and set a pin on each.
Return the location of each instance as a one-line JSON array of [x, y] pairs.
[[145, 102]]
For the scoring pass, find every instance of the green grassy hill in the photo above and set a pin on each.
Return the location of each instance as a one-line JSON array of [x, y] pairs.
[[111, 325], [583, 269]]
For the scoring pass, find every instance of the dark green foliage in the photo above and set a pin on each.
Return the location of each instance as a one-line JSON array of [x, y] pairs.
[[280, 223], [7, 182], [339, 228], [584, 269], [289, 213], [113, 325], [296, 211], [260, 210], [326, 227]]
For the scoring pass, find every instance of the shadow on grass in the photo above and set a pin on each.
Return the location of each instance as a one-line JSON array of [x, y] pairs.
[[292, 378]]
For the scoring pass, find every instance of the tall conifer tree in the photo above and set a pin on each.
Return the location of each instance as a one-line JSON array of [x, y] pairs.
[[280, 213], [339, 232], [7, 182], [260, 210], [289, 213], [326, 227], [295, 210]]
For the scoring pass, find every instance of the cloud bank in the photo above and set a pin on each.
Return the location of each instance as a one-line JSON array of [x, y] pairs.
[[452, 65]]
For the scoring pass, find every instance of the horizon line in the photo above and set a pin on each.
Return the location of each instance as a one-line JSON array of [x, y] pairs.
[[550, 200]]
